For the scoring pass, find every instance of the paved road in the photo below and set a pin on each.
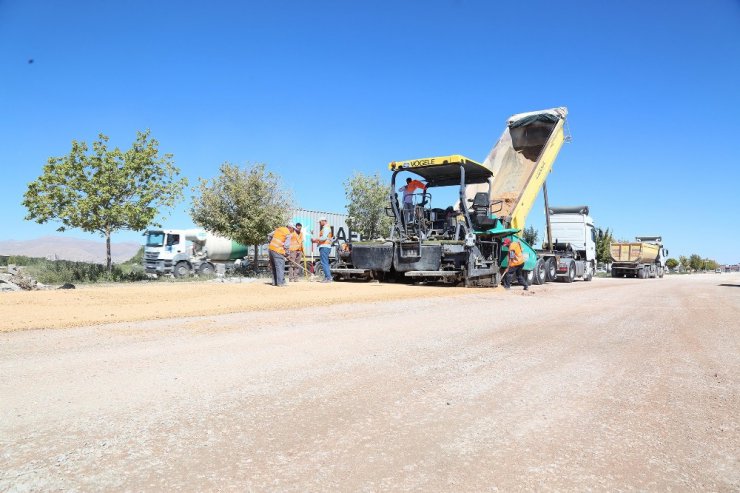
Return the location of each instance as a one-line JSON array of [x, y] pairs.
[[618, 384]]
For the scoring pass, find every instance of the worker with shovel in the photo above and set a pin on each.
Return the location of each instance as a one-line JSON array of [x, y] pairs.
[[516, 263], [295, 253]]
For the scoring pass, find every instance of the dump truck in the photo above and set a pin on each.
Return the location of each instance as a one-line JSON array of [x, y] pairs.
[[569, 251], [643, 258], [520, 161]]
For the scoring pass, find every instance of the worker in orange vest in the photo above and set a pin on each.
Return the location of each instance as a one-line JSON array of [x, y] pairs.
[[279, 245], [408, 196], [295, 253], [516, 264]]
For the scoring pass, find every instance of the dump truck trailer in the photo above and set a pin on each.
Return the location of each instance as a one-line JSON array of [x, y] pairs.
[[643, 258]]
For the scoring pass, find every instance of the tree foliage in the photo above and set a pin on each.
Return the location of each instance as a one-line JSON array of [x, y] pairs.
[[106, 191], [530, 235], [696, 262], [604, 239], [367, 198], [242, 204], [671, 263]]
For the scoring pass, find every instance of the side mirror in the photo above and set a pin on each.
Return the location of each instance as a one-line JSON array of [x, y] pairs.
[[389, 212]]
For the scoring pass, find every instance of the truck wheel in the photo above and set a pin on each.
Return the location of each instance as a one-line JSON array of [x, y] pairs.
[[641, 273], [181, 269], [206, 269], [529, 276], [571, 272], [660, 273], [551, 269], [589, 275], [540, 274]]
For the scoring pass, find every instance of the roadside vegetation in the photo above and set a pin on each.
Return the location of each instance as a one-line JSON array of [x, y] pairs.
[[66, 271]]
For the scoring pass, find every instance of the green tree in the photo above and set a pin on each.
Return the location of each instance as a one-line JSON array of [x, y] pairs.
[[684, 260], [671, 263], [367, 198], [242, 204], [710, 264], [106, 191], [530, 235], [604, 239], [696, 262]]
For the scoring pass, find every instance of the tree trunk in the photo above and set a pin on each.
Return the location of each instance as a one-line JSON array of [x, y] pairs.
[[108, 263], [256, 258]]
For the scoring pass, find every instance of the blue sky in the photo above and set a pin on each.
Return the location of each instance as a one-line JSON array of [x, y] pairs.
[[320, 89]]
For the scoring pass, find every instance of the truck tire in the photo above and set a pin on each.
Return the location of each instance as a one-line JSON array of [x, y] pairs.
[[641, 273], [540, 274], [182, 269], [660, 273], [206, 269], [551, 269], [529, 276], [589, 274], [571, 272]]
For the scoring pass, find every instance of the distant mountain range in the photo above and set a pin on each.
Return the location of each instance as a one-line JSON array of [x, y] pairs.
[[63, 248]]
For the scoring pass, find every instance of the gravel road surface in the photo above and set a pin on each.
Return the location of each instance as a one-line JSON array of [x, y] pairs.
[[618, 384]]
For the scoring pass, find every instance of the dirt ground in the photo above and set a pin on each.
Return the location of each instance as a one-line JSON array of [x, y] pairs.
[[617, 384], [95, 304]]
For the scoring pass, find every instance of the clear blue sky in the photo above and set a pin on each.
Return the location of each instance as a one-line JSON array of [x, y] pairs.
[[320, 89]]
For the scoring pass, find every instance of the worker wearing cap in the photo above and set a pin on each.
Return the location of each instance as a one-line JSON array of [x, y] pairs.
[[324, 242], [516, 264], [279, 245], [295, 253]]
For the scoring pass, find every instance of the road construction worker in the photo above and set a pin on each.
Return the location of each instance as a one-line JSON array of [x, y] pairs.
[[324, 243], [516, 264], [295, 253], [279, 245], [408, 196]]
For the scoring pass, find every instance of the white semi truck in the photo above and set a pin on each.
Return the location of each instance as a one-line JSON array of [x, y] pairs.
[[572, 252], [181, 252]]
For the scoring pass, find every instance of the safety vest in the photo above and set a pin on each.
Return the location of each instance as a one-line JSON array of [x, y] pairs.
[[327, 242], [296, 241], [278, 240], [516, 257]]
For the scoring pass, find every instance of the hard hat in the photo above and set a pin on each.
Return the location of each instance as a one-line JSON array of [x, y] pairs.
[[507, 241], [291, 225], [323, 218]]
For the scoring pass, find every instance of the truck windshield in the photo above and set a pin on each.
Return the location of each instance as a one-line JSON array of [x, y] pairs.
[[155, 239]]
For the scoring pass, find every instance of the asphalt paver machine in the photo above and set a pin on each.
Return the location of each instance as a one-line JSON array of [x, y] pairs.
[[458, 244]]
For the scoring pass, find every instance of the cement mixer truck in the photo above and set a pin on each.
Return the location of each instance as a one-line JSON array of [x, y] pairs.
[[184, 251], [642, 258]]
